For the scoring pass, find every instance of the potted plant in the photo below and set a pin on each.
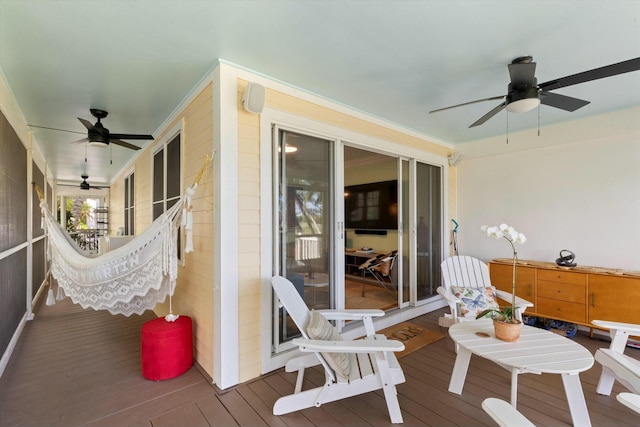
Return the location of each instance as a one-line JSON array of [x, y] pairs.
[[506, 324]]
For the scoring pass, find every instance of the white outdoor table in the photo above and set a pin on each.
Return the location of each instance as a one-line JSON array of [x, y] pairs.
[[537, 351]]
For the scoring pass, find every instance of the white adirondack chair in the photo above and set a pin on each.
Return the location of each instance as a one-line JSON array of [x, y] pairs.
[[372, 363], [469, 272], [504, 413], [615, 364]]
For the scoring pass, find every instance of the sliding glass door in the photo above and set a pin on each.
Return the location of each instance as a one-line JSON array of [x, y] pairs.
[[352, 228]]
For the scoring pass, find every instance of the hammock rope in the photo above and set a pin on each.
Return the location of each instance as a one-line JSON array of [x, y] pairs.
[[129, 279]]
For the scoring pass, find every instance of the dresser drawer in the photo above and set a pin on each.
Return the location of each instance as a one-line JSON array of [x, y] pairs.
[[562, 310], [562, 276], [562, 291]]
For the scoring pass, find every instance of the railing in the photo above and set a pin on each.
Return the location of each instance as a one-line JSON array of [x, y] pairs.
[[87, 239]]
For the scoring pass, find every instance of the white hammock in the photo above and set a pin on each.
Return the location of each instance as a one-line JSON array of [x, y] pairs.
[[130, 279]]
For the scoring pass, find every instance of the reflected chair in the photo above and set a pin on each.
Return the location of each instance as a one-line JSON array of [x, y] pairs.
[[380, 267], [351, 368]]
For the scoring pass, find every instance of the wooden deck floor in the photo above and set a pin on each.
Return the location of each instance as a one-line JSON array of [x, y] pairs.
[[75, 367]]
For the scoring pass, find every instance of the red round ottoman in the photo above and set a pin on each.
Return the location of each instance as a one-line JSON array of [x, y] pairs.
[[167, 348]]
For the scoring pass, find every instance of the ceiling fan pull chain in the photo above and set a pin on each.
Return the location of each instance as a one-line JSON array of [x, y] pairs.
[[507, 127], [538, 119]]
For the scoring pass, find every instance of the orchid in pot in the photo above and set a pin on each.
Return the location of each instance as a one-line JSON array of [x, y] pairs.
[[507, 314]]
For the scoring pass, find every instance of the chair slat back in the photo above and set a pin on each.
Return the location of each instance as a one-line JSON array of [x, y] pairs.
[[293, 302], [465, 271]]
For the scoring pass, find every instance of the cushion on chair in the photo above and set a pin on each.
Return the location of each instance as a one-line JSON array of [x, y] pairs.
[[474, 300], [319, 328]]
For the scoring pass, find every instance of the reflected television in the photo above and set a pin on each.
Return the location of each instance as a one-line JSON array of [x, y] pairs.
[[372, 206]]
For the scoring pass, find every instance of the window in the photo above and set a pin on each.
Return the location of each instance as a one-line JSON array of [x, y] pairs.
[[129, 205], [167, 180]]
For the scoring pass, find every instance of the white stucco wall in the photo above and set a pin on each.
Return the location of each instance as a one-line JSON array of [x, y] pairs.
[[582, 195]]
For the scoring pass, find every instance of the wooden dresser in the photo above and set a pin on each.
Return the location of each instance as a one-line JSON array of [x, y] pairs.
[[577, 295]]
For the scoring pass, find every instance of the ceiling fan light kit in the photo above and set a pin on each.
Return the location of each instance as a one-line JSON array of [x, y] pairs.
[[522, 101]]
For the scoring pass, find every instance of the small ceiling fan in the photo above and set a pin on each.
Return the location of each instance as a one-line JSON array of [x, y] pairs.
[[524, 93], [100, 135], [84, 185]]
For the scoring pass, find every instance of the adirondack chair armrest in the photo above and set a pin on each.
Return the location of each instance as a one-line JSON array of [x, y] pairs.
[[451, 299], [630, 400], [357, 346], [633, 329], [619, 333], [351, 314], [506, 296], [504, 414], [366, 315]]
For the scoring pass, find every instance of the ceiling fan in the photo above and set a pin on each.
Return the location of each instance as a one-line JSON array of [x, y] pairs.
[[100, 135], [524, 93], [84, 185]]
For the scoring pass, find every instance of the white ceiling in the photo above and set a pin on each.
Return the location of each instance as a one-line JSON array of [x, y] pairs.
[[396, 60]]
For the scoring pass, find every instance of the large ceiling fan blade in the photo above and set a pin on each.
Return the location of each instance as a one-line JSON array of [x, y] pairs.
[[596, 73], [80, 140], [130, 136], [522, 73], [490, 114], [86, 123], [493, 98], [563, 102], [123, 144], [61, 130]]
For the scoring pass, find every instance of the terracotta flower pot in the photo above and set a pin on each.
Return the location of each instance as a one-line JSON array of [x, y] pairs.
[[507, 331]]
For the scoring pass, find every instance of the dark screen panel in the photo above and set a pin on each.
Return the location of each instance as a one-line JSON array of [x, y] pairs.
[[13, 303], [38, 265], [13, 187], [158, 209], [38, 178], [50, 198], [173, 168], [158, 176]]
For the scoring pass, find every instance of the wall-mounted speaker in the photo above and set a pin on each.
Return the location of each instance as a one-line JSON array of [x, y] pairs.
[[253, 98]]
